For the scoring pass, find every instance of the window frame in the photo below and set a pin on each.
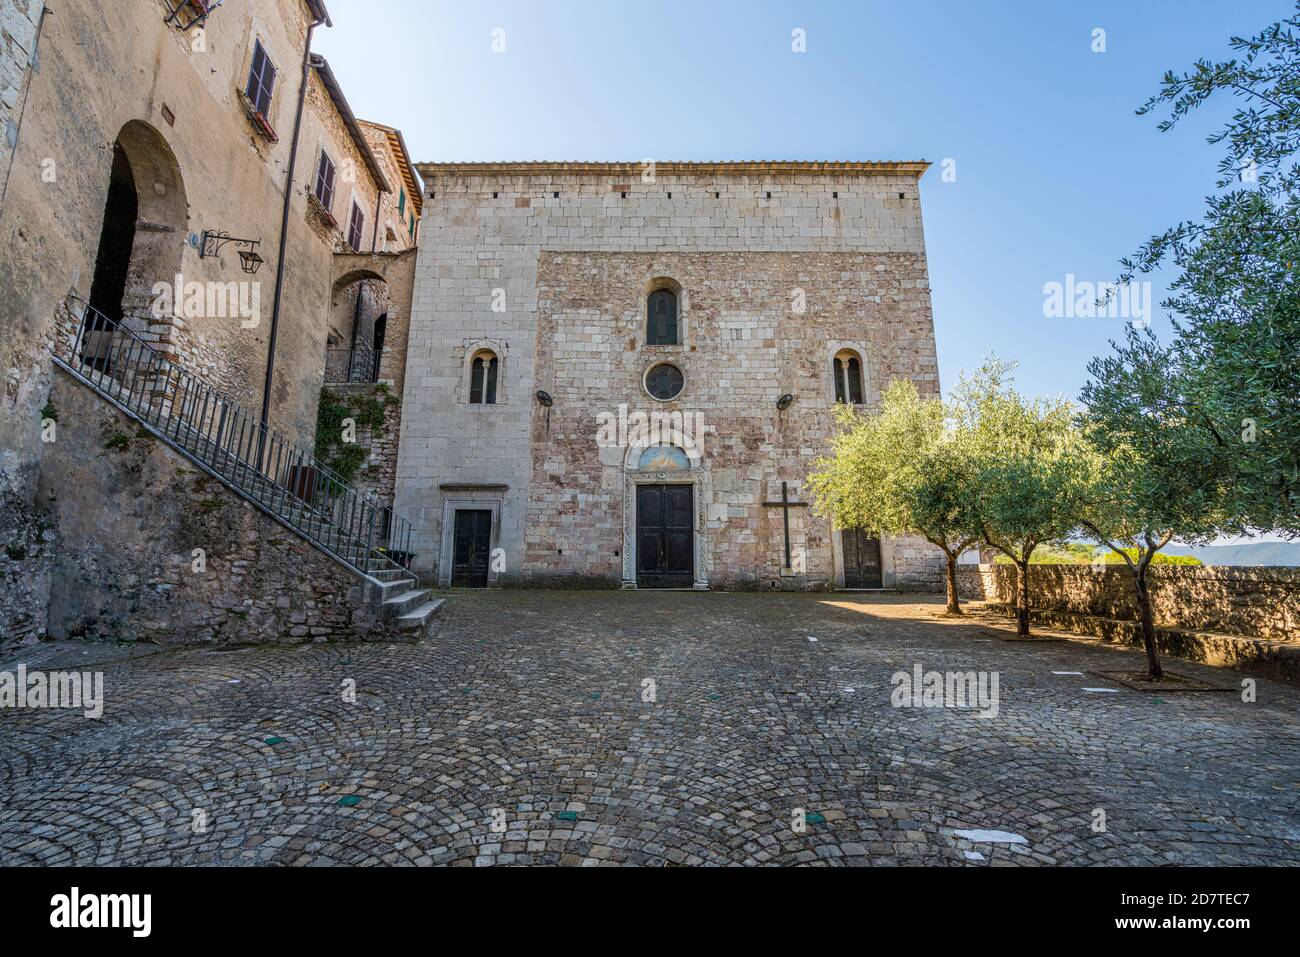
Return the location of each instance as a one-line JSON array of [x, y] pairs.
[[324, 160], [842, 375], [484, 378], [672, 333], [645, 380], [258, 85], [656, 282], [357, 224]]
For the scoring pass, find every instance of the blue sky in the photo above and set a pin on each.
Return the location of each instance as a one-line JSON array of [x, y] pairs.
[[1055, 173]]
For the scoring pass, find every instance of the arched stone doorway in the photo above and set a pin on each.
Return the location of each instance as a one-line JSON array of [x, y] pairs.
[[359, 310], [665, 510], [141, 241]]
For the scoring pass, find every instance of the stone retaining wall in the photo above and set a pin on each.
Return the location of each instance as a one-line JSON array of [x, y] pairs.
[[128, 513], [1253, 602]]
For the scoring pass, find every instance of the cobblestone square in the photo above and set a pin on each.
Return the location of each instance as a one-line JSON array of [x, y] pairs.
[[607, 728]]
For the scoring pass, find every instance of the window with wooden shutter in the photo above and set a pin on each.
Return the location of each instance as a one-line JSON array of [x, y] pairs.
[[325, 181], [261, 80], [356, 227]]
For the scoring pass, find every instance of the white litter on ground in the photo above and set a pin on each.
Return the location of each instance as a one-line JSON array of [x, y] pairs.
[[1076, 673], [1103, 690], [811, 638], [233, 681], [850, 690], [991, 837]]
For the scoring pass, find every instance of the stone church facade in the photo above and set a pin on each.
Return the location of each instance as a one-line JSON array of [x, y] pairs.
[[621, 374]]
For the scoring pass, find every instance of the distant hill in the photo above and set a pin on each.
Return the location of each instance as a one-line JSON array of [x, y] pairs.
[[1284, 554]]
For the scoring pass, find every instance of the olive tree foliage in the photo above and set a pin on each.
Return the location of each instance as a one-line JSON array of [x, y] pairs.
[[898, 472], [1029, 466], [1156, 474], [1236, 296]]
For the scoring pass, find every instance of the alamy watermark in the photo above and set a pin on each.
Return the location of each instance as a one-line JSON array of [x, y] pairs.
[[209, 300], [1076, 299], [71, 690], [625, 429], [952, 689]]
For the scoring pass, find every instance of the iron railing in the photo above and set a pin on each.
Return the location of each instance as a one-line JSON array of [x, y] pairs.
[[263, 465], [359, 363]]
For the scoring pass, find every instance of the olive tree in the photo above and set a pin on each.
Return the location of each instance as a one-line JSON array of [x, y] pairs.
[[1028, 470], [1157, 474], [899, 472]]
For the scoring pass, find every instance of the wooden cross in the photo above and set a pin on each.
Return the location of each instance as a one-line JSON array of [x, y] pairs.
[[786, 505]]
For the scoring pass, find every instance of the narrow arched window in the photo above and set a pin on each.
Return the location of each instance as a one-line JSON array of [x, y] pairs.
[[483, 379], [848, 378], [661, 318]]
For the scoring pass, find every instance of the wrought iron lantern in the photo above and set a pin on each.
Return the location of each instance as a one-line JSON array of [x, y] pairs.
[[248, 258]]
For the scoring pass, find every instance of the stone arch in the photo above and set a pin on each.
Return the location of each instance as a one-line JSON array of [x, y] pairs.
[[839, 356], [487, 350], [656, 281], [688, 438], [146, 220], [360, 305]]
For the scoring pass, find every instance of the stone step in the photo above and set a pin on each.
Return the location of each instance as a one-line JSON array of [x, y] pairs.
[[421, 616], [405, 601], [394, 587]]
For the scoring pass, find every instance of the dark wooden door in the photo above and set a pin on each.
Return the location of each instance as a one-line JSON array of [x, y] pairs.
[[665, 536], [861, 559], [472, 549]]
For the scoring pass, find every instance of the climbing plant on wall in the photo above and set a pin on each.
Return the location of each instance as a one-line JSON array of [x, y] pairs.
[[367, 412]]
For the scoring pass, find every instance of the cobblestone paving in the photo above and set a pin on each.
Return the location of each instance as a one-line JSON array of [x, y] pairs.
[[531, 703]]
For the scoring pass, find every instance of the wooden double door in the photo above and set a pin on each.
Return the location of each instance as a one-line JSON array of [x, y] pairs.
[[471, 548], [665, 536], [861, 559]]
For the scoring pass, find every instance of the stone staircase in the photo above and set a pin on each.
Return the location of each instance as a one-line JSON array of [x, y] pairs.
[[260, 466]]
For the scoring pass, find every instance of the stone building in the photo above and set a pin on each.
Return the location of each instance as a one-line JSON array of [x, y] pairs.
[[366, 356], [564, 311], [164, 159]]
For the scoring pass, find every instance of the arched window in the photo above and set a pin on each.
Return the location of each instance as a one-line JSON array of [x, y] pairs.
[[661, 318], [483, 379], [848, 377]]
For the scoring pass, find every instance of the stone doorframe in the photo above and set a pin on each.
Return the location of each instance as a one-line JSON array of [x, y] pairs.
[[697, 475], [887, 572], [482, 498]]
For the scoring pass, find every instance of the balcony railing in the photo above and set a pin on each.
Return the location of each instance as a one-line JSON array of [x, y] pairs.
[[357, 364], [217, 432]]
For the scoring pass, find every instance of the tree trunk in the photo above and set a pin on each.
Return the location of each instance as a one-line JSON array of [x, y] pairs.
[[954, 604], [1154, 671], [1022, 609]]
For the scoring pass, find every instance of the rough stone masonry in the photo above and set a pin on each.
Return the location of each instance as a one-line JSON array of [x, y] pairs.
[[778, 269]]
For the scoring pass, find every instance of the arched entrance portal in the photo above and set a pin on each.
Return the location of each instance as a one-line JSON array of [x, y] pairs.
[[141, 239], [116, 239], [358, 326], [665, 504]]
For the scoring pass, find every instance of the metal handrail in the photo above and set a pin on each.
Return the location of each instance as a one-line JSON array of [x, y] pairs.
[[287, 480], [351, 365]]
